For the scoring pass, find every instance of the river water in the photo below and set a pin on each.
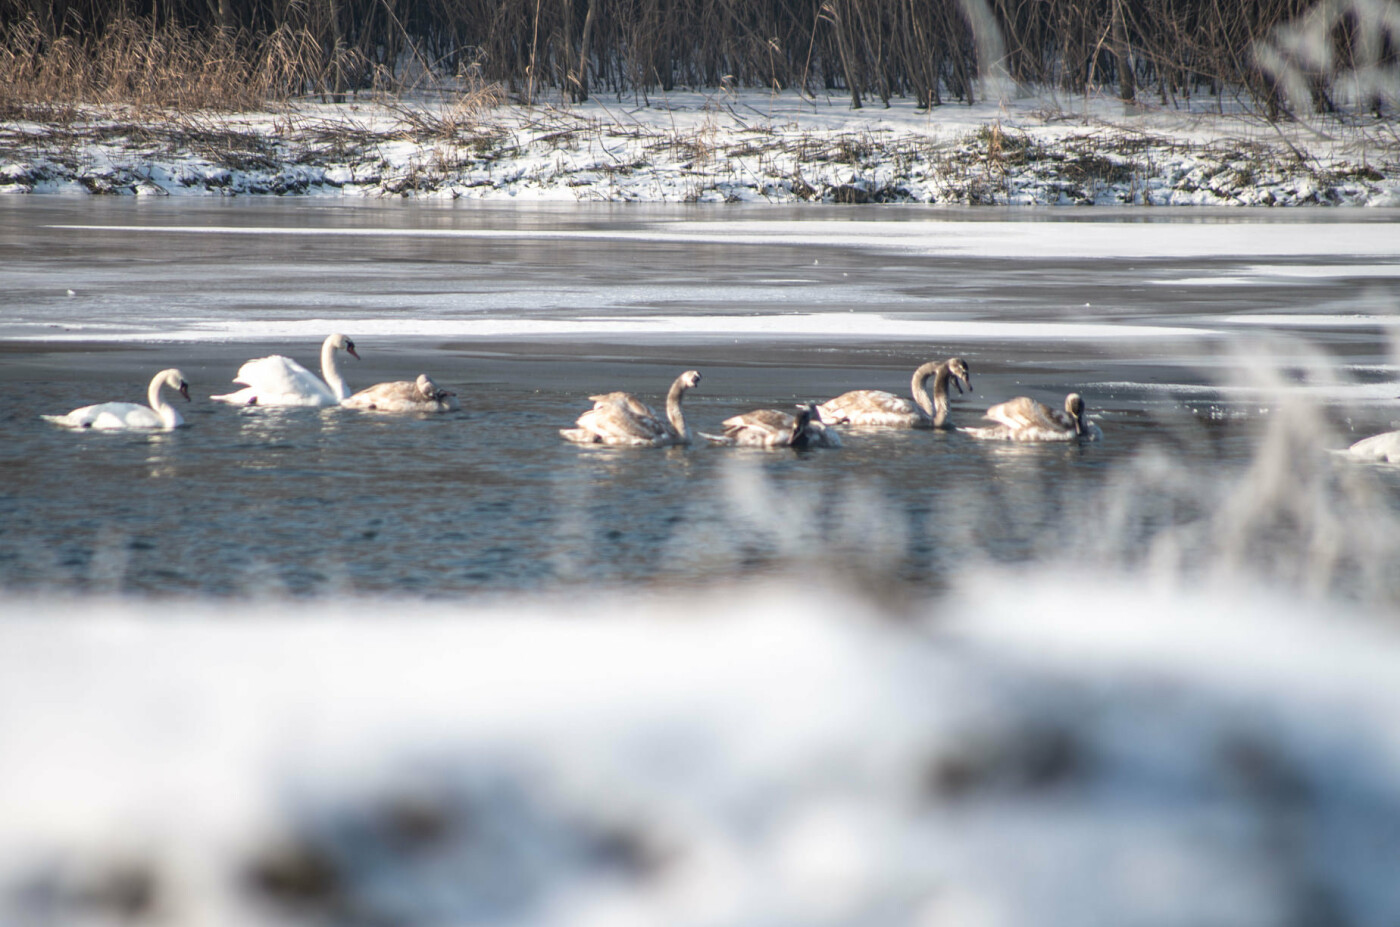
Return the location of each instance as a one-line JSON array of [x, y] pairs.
[[284, 666], [1201, 340]]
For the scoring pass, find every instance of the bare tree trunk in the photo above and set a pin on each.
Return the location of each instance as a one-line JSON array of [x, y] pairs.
[[566, 40], [579, 79], [530, 69], [337, 52], [1127, 89], [843, 48]]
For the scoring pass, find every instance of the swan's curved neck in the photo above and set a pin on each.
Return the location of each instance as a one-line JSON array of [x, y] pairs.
[[673, 409], [330, 372], [1076, 417], [168, 413], [798, 436], [935, 406]]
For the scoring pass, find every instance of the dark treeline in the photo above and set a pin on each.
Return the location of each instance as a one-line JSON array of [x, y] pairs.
[[931, 51]]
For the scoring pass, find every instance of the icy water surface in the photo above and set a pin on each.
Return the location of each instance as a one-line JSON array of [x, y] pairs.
[[1154, 316]]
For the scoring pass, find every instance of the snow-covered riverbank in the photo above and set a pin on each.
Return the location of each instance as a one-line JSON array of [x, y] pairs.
[[716, 147]]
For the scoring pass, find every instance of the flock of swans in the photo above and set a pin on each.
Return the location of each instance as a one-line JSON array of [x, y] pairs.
[[269, 381], [616, 418], [622, 419]]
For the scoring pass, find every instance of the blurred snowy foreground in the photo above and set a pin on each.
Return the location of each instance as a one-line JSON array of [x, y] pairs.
[[1028, 749]]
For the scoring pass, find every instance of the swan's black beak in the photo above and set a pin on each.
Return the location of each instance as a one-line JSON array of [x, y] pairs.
[[353, 353], [185, 390], [967, 381]]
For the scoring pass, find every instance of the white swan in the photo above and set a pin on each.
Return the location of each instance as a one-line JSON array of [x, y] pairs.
[[281, 381], [422, 395], [1381, 448], [1024, 419], [925, 410], [773, 428], [621, 418], [132, 415]]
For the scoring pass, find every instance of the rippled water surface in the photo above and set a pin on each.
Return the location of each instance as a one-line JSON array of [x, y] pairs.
[[1154, 317]]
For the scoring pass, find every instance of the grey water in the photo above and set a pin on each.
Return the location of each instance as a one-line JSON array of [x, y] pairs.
[[1194, 355]]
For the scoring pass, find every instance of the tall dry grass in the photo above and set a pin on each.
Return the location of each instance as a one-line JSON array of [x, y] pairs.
[[245, 53], [138, 63]]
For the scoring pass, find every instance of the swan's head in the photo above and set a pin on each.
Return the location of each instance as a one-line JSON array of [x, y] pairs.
[[690, 379], [174, 379], [957, 369], [430, 390], [1074, 405], [803, 418], [342, 343]]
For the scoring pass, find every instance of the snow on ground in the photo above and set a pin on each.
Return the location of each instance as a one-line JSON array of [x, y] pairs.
[[1019, 752], [720, 147]]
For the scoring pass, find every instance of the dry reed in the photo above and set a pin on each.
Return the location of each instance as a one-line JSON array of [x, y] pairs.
[[1282, 55]]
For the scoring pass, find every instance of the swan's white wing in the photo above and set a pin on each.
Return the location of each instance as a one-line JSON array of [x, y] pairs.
[[279, 381], [110, 416], [871, 407], [1383, 447]]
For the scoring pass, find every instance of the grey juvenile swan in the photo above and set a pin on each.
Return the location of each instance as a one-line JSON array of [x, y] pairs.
[[1024, 419], [421, 395], [773, 428], [623, 419], [130, 415], [924, 410]]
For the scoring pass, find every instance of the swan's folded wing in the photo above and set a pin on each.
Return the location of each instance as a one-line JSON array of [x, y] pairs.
[[760, 428], [867, 406], [1024, 413], [110, 416], [1381, 447], [615, 424], [763, 419], [393, 394], [276, 376], [626, 401]]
